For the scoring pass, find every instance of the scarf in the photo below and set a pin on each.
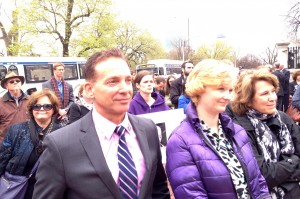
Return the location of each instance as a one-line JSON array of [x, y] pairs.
[[271, 143], [63, 103]]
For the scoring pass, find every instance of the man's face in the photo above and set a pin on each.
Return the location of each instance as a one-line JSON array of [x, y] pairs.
[[188, 68], [59, 72], [112, 88], [160, 86], [13, 85]]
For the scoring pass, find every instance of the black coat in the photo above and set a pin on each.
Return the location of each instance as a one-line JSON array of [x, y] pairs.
[[281, 80], [285, 172], [76, 112], [176, 90]]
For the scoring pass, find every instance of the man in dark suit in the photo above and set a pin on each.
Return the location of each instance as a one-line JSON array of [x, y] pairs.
[[286, 74], [63, 90], [281, 81], [82, 160], [177, 87]]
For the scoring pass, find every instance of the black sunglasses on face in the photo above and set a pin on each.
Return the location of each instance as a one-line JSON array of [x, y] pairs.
[[13, 81], [46, 107]]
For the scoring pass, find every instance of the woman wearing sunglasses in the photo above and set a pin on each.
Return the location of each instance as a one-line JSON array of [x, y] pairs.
[[22, 144]]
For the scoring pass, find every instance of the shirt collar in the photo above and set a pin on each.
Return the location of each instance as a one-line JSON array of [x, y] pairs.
[[105, 127]]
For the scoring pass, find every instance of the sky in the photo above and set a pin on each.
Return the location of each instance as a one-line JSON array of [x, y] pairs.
[[250, 26]]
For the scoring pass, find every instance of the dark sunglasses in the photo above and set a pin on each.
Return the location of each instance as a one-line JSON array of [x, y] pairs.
[[13, 81], [46, 107]]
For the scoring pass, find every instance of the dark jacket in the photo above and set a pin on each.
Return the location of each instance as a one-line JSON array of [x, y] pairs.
[[281, 80], [286, 73], [76, 112], [194, 168], [48, 85], [176, 90], [139, 106], [16, 149], [285, 172], [293, 87]]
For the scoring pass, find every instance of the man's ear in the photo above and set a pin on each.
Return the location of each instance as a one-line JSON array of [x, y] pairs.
[[89, 89], [137, 85]]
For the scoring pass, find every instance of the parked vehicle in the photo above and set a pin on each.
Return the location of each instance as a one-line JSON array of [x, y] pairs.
[[37, 70], [162, 67]]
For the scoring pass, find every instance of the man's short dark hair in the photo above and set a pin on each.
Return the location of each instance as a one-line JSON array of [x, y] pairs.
[[159, 79], [184, 63], [98, 57]]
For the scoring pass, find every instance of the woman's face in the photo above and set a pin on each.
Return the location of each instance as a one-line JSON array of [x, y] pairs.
[[215, 98], [146, 85], [298, 78], [265, 98], [43, 115], [171, 80]]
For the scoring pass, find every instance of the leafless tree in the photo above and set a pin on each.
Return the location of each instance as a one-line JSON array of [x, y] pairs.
[[249, 61], [270, 56], [293, 20]]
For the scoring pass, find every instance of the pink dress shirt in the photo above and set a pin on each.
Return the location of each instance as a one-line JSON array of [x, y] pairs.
[[109, 142]]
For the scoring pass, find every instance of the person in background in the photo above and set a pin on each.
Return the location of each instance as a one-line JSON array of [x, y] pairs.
[[294, 84], [281, 80], [169, 82], [208, 156], [274, 136], [23, 143], [62, 89], [88, 159], [183, 100], [133, 74], [146, 100], [81, 107], [13, 103], [286, 94], [160, 84], [176, 88]]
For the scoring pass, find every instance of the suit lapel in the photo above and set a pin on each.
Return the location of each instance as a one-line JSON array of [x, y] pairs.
[[144, 145], [91, 144]]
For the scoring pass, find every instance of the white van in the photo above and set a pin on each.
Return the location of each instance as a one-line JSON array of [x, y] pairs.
[[37, 70], [162, 67]]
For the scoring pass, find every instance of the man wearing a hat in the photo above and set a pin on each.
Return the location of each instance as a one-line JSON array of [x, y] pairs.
[[13, 104]]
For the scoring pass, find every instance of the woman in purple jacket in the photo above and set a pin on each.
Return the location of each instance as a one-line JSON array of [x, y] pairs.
[[208, 156], [146, 100]]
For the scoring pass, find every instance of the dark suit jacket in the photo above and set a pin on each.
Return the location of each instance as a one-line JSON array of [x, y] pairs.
[[281, 80], [47, 84], [76, 112], [176, 90], [73, 165], [286, 74]]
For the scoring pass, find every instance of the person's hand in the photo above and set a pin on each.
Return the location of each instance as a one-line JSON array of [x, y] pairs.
[[62, 112]]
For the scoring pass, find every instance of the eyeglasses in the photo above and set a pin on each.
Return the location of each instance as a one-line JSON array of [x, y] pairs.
[[13, 81], [46, 107]]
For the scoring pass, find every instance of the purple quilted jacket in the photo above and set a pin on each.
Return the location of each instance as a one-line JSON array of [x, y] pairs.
[[196, 171]]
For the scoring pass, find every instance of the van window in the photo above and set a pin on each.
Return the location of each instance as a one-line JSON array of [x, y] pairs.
[[81, 71], [37, 73], [3, 72], [14, 69], [70, 72]]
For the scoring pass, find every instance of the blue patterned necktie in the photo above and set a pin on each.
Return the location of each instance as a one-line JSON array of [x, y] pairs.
[[128, 174]]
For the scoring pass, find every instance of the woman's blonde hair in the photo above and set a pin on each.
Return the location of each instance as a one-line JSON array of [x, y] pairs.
[[244, 90], [209, 72]]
